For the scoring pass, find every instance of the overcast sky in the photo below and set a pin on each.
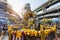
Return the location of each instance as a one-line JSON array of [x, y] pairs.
[[18, 4]]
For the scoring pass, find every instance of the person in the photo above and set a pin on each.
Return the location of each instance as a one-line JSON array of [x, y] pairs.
[[1, 38], [1, 29]]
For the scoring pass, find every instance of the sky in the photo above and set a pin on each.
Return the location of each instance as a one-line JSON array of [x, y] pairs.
[[17, 5]]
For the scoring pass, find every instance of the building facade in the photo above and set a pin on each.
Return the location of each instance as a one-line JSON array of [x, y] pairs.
[[3, 18]]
